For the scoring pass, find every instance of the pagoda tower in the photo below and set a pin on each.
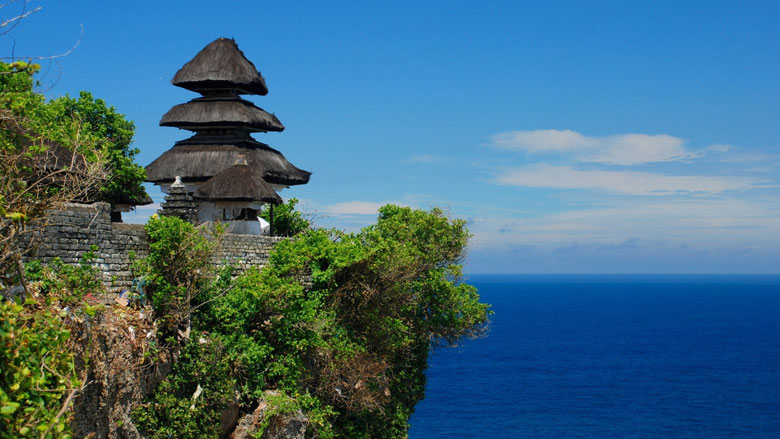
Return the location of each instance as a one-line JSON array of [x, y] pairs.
[[224, 173]]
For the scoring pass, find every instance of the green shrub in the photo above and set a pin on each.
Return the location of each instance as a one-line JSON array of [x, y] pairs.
[[116, 135], [37, 368], [176, 411], [37, 372], [286, 220], [65, 283], [178, 268]]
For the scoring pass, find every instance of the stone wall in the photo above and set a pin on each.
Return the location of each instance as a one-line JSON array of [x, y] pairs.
[[246, 251], [72, 232]]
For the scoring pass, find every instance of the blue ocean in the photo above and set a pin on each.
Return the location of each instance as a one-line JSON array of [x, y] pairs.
[[623, 356]]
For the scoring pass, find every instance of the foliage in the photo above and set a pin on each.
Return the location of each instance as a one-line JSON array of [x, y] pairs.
[[178, 268], [116, 134], [85, 124], [340, 323], [51, 153], [37, 373], [181, 411], [38, 378], [34, 152], [286, 220], [68, 284]]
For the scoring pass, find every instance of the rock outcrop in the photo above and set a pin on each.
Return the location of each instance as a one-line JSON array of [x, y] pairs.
[[279, 426], [113, 354]]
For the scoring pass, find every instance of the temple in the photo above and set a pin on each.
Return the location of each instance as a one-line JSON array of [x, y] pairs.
[[222, 173]]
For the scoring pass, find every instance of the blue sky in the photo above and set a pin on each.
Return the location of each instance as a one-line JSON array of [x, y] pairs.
[[575, 137]]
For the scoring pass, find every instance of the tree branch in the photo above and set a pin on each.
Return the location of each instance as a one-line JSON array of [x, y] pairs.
[[222, 293], [66, 53], [17, 19]]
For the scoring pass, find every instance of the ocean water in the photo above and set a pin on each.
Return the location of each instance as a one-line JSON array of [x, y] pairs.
[[613, 357]]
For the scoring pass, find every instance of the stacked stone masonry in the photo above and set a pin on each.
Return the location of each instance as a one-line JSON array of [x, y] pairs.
[[180, 204], [72, 232]]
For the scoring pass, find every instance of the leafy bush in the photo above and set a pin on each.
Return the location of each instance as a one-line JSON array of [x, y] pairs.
[[37, 372], [178, 268], [67, 284], [116, 134], [86, 123], [56, 152], [180, 410], [382, 298], [30, 147], [286, 220], [36, 366]]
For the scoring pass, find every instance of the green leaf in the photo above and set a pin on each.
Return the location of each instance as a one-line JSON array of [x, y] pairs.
[[16, 216]]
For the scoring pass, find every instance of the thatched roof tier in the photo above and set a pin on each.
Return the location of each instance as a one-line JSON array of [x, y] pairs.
[[209, 113], [135, 200], [200, 158], [57, 157], [57, 162], [221, 67], [237, 183]]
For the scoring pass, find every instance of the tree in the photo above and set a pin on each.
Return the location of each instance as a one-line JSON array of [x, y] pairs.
[[43, 164], [115, 134], [285, 219]]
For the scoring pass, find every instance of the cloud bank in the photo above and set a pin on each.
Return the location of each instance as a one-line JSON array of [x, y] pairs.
[[617, 149], [622, 182]]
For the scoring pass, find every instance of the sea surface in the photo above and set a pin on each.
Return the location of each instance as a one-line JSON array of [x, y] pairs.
[[624, 356]]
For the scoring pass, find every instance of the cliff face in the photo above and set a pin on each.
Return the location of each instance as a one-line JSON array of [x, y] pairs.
[[122, 367], [114, 354]]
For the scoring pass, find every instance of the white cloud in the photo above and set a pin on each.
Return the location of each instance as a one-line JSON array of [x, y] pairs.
[[632, 149], [538, 141], [618, 149], [623, 182], [356, 207], [719, 147]]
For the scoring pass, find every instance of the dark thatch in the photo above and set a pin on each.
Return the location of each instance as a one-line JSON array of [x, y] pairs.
[[135, 199], [221, 66], [220, 112], [237, 183], [59, 157], [201, 157]]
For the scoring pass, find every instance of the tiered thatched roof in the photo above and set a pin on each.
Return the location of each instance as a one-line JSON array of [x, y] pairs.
[[222, 122], [202, 113], [221, 66]]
